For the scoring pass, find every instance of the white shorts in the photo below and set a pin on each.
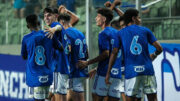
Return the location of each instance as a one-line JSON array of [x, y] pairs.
[[39, 93], [77, 84], [122, 84], [141, 84], [95, 83], [60, 83], [112, 90]]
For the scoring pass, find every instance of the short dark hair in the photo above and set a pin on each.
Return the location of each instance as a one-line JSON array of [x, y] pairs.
[[50, 10], [129, 14], [64, 16], [32, 20], [115, 22], [121, 18], [106, 13]]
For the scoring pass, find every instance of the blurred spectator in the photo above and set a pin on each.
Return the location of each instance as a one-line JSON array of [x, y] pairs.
[[53, 3], [2, 1], [33, 7], [19, 6], [69, 4]]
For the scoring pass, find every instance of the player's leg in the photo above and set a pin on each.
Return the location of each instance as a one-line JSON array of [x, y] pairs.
[[94, 97], [60, 97], [61, 84], [106, 98], [70, 92], [123, 96], [70, 95], [150, 88], [78, 89], [152, 97], [131, 98]]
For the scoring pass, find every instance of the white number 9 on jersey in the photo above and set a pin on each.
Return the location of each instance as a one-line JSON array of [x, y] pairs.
[[135, 47]]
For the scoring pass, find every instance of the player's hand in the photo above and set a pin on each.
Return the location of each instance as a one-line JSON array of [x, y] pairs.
[[92, 73], [82, 64], [62, 9], [152, 56], [107, 79], [107, 4], [50, 32]]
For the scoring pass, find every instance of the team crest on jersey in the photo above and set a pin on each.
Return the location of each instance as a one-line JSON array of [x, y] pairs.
[[43, 79], [115, 71], [139, 68]]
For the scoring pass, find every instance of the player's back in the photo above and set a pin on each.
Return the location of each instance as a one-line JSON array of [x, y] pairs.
[[78, 51], [134, 40], [104, 43], [39, 51]]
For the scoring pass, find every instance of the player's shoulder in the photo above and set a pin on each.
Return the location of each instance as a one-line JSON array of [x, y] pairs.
[[108, 31], [29, 35], [143, 28], [54, 24], [74, 32]]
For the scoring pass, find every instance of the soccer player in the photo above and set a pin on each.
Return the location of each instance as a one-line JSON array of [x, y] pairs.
[[78, 52], [74, 20], [61, 63], [139, 72], [100, 89], [37, 49]]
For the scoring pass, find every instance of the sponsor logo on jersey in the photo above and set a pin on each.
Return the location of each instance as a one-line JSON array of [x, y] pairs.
[[115, 71], [139, 68], [43, 79]]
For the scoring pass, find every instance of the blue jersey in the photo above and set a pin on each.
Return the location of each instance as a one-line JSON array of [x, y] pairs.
[[38, 50], [78, 52], [104, 43], [61, 63], [116, 68], [134, 40]]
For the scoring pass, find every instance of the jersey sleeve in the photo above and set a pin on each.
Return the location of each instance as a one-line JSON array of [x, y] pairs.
[[104, 41], [151, 38], [24, 49]]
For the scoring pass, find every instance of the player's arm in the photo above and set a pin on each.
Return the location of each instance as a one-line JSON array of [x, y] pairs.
[[74, 17], [152, 40], [158, 51], [92, 72], [119, 12], [87, 54], [51, 31], [111, 63], [24, 51], [101, 57], [113, 5]]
